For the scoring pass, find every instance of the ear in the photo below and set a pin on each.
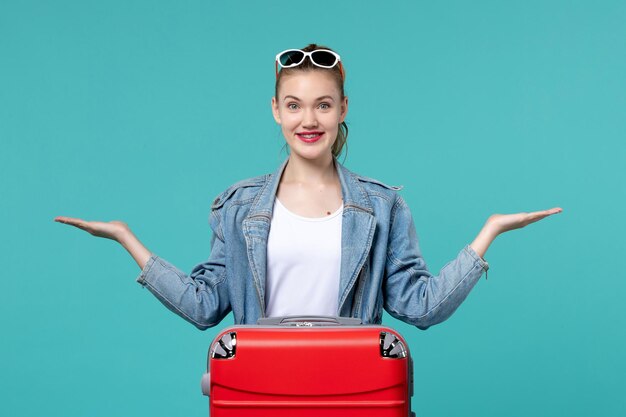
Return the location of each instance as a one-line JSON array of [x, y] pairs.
[[275, 110], [344, 109]]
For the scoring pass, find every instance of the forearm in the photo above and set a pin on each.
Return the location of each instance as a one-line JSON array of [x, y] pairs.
[[136, 249], [202, 297], [416, 296], [484, 238]]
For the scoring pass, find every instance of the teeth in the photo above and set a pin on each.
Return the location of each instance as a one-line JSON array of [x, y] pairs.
[[310, 136]]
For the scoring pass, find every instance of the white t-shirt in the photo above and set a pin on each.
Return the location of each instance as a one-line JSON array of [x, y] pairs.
[[303, 263]]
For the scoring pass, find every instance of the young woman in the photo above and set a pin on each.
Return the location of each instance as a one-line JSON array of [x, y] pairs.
[[313, 237]]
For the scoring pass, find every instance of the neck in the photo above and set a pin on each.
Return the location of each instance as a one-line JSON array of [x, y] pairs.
[[305, 171]]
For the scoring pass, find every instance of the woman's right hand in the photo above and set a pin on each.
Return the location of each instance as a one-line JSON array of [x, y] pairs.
[[114, 230]]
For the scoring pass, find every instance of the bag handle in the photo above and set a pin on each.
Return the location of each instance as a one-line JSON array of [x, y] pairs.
[[309, 321]]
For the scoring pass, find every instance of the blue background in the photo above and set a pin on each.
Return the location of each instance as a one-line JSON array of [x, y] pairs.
[[144, 111]]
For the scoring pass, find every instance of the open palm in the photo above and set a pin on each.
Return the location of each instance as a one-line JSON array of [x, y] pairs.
[[110, 230], [505, 222]]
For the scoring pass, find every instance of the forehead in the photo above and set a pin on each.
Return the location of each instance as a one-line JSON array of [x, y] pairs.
[[308, 85]]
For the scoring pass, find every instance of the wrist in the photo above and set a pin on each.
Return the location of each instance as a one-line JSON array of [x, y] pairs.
[[484, 238], [490, 229], [125, 237]]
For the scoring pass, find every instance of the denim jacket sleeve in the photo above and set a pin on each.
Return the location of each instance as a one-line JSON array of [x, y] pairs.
[[201, 297], [411, 293]]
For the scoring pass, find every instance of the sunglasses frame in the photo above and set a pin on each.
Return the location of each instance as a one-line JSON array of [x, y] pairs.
[[309, 54]]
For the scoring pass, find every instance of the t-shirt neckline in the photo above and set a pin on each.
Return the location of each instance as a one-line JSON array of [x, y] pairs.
[[311, 219]]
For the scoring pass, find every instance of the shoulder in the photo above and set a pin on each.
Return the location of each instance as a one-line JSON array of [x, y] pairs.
[[241, 191], [375, 184], [370, 183], [376, 188]]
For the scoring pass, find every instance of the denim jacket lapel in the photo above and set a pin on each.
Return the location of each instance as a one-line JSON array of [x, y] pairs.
[[256, 230], [357, 233], [358, 224]]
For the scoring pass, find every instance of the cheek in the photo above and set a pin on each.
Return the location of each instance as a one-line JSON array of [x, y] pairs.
[[332, 119], [289, 120]]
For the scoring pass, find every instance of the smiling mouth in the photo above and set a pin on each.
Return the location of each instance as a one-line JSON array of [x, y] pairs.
[[310, 136]]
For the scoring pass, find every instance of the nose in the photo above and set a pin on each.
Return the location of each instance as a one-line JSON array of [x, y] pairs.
[[309, 120]]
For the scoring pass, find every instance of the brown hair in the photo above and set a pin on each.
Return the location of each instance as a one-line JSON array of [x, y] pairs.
[[338, 76]]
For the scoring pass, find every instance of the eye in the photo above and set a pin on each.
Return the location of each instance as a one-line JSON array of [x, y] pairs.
[[324, 106], [292, 106]]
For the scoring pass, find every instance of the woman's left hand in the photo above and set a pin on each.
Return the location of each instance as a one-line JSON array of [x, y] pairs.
[[501, 223]]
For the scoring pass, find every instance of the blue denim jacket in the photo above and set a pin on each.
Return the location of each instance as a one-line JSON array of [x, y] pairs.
[[381, 263]]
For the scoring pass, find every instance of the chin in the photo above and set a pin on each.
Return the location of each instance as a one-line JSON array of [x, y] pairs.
[[311, 156], [310, 153]]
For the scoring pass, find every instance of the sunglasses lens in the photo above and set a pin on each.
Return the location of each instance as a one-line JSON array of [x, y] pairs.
[[324, 58], [291, 58]]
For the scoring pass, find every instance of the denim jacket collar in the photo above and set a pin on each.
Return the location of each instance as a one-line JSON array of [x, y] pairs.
[[358, 226], [353, 193]]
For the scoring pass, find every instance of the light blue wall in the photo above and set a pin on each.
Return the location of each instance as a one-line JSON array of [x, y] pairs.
[[144, 110]]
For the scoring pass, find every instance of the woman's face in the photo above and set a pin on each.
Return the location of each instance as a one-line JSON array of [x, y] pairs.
[[309, 110]]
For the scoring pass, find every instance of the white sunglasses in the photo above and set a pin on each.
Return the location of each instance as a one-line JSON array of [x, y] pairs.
[[323, 58]]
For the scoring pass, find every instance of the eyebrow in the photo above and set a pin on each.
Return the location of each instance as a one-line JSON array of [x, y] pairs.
[[317, 99]]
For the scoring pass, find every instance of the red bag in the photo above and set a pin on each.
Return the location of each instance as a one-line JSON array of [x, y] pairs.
[[309, 367]]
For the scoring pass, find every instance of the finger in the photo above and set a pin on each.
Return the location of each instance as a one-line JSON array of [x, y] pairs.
[[538, 215], [67, 220], [80, 223], [553, 210], [549, 212], [62, 219]]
